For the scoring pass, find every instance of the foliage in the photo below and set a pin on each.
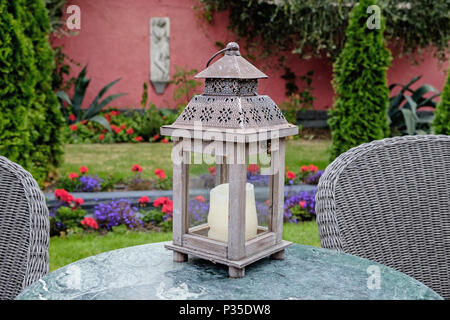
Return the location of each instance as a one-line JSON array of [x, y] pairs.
[[402, 112], [185, 85], [31, 120], [441, 123], [55, 14], [318, 27], [298, 99], [68, 218], [73, 111], [362, 95]]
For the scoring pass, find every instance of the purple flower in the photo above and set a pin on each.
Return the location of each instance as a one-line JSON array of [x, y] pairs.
[[198, 211], [292, 202], [313, 178], [115, 213], [90, 184]]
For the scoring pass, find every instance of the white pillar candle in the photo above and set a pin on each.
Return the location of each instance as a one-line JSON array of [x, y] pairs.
[[218, 212]]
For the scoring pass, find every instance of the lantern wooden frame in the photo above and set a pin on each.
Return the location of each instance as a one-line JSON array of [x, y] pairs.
[[231, 90]]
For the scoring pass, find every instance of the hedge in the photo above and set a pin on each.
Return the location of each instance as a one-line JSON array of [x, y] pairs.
[[441, 123], [30, 122], [360, 108]]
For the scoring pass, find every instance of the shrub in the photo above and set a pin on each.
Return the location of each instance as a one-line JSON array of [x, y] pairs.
[[441, 124], [31, 121], [362, 94]]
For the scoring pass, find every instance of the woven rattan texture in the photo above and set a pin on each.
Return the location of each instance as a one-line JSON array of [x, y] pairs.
[[24, 230], [389, 201]]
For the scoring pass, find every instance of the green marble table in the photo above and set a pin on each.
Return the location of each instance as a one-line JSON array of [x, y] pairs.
[[147, 272]]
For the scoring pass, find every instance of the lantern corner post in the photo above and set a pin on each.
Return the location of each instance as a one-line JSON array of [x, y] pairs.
[[180, 196]]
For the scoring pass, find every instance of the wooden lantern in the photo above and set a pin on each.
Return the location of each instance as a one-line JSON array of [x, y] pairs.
[[235, 126]]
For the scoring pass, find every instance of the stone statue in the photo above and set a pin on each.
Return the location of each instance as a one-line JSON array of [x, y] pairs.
[[159, 53]]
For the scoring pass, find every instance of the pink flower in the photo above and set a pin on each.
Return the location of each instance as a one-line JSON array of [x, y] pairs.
[[155, 137], [313, 168], [130, 131], [253, 168], [200, 198], [101, 137], [143, 200], [79, 201], [290, 175], [302, 204], [73, 175], [138, 138], [167, 208], [212, 171], [89, 222], [136, 168], [160, 173], [304, 169], [165, 140], [73, 127], [63, 195], [161, 201], [83, 169]]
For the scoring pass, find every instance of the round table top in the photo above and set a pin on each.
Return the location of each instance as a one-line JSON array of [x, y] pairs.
[[148, 272]]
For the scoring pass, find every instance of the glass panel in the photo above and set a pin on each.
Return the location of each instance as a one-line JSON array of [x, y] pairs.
[[202, 177], [258, 174]]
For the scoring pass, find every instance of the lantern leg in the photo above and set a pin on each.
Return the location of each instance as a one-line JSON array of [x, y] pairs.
[[277, 255], [236, 272], [179, 257]]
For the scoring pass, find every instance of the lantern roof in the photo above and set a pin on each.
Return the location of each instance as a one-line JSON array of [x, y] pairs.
[[230, 102], [231, 66]]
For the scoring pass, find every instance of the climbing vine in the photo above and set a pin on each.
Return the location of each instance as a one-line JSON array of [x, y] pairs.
[[317, 28]]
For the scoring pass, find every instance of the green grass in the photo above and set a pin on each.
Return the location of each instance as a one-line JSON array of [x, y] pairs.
[[70, 249], [104, 159]]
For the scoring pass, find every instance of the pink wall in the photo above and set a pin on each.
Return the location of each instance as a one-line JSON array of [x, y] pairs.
[[114, 41]]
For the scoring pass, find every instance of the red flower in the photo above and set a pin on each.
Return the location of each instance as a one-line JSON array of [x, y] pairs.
[[73, 175], [73, 127], [90, 222], [290, 175], [108, 117], [160, 173], [83, 169], [114, 113], [101, 137], [117, 130], [167, 208], [123, 126], [136, 168], [253, 168], [304, 169], [313, 168], [63, 195], [212, 171], [130, 131], [302, 204], [200, 198], [138, 138], [143, 200], [161, 201], [72, 117], [165, 140], [79, 201], [155, 137]]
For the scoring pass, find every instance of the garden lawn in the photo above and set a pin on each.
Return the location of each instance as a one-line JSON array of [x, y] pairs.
[[69, 249], [117, 159]]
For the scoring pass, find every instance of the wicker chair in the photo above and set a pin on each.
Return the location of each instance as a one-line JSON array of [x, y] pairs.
[[24, 230], [389, 201]]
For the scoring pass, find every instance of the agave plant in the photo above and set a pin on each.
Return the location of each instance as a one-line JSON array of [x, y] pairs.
[[402, 113], [73, 111]]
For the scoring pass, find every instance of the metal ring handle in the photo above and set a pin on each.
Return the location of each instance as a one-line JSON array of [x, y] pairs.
[[232, 46]]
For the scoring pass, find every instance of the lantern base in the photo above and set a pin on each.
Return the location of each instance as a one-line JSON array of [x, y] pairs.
[[236, 267]]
